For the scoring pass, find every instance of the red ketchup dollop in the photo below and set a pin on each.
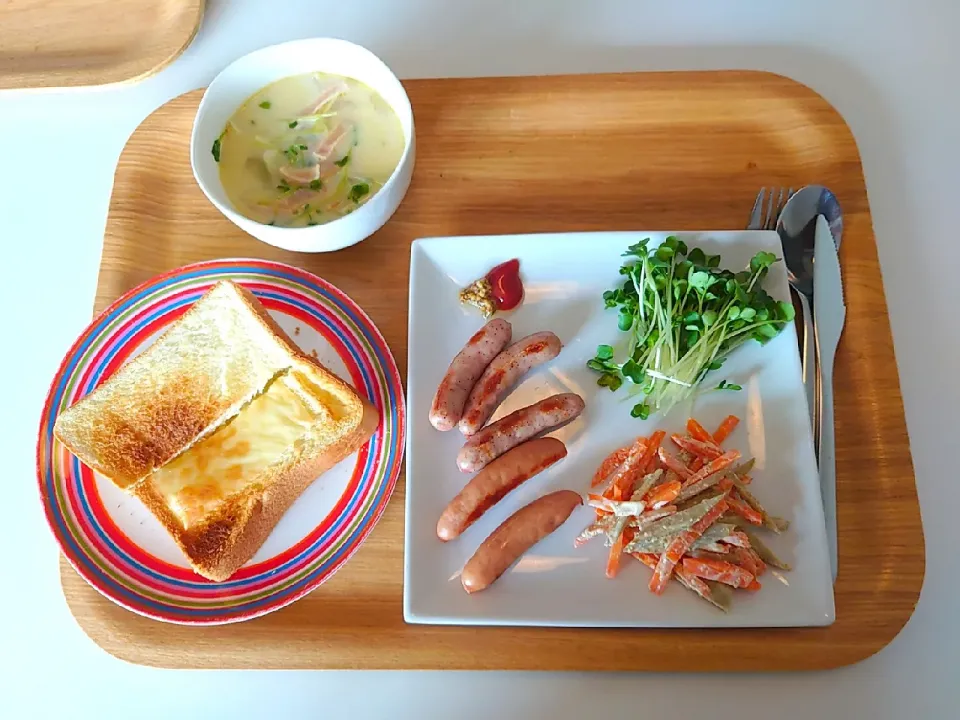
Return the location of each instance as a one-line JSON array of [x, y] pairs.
[[505, 284]]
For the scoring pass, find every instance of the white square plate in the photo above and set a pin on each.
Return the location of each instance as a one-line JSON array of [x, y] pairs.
[[555, 584]]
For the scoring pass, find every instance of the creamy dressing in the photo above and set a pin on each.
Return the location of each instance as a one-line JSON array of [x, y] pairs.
[[308, 149]]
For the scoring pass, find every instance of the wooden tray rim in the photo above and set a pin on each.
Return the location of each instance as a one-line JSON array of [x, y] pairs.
[[117, 649]]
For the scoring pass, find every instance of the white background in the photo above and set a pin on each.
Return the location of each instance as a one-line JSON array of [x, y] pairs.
[[890, 67]]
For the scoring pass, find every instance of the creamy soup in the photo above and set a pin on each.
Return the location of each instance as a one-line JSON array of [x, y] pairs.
[[308, 149]]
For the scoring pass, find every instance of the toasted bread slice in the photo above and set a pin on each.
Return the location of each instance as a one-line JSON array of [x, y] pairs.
[[218, 428], [206, 366], [221, 498]]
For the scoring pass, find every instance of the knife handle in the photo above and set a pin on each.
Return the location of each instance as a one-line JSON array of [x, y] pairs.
[[809, 364], [826, 459]]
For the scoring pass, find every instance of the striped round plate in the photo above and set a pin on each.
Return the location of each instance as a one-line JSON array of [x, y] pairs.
[[122, 550]]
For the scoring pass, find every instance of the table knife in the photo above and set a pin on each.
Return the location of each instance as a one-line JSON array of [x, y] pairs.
[[830, 313]]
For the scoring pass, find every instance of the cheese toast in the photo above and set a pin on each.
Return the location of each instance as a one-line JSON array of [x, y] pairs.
[[218, 427]]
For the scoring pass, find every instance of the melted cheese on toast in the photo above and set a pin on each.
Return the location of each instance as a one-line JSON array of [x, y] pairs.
[[271, 429]]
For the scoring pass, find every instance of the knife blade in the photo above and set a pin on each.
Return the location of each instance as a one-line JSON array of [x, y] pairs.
[[830, 314]]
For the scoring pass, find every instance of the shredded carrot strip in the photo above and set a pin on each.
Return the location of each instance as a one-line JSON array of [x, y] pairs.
[[680, 545], [698, 432], [738, 538], [648, 559], [609, 464], [608, 494], [702, 462], [742, 558], [744, 510], [627, 474], [648, 460], [613, 561], [694, 583], [673, 463], [664, 494], [699, 448], [714, 466], [728, 425], [719, 571]]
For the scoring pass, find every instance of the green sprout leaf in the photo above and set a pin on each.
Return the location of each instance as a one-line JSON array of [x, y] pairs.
[[610, 381], [786, 311], [633, 372], [640, 410], [682, 314], [761, 261], [700, 280], [604, 352]]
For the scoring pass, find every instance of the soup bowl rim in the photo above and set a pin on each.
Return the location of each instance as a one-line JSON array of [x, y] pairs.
[[249, 74]]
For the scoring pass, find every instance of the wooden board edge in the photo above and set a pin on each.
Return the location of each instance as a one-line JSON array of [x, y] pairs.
[[143, 653], [93, 630], [127, 72]]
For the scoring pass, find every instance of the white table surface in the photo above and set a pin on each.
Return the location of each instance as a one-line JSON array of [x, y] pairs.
[[890, 67]]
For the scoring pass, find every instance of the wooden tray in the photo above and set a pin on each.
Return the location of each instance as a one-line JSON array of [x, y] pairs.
[[62, 43], [609, 152]]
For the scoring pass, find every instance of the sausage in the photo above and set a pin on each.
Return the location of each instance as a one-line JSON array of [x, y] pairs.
[[518, 533], [491, 485], [464, 371], [517, 427], [502, 374]]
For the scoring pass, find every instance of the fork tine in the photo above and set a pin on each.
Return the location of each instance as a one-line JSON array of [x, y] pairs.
[[776, 206], [769, 220], [775, 202], [786, 198], [756, 214]]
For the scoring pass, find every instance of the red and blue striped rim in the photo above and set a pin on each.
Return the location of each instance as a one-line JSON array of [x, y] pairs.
[[130, 575]]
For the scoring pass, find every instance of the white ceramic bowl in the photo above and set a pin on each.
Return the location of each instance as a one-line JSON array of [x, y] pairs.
[[247, 75]]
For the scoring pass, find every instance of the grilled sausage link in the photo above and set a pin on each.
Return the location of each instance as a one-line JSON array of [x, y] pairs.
[[511, 430], [518, 533], [464, 371], [502, 374], [495, 481]]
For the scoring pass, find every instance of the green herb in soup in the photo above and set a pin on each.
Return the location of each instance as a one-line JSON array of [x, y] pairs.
[[317, 149]]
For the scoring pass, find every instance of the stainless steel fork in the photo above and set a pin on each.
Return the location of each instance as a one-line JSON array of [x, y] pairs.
[[761, 219], [765, 214]]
